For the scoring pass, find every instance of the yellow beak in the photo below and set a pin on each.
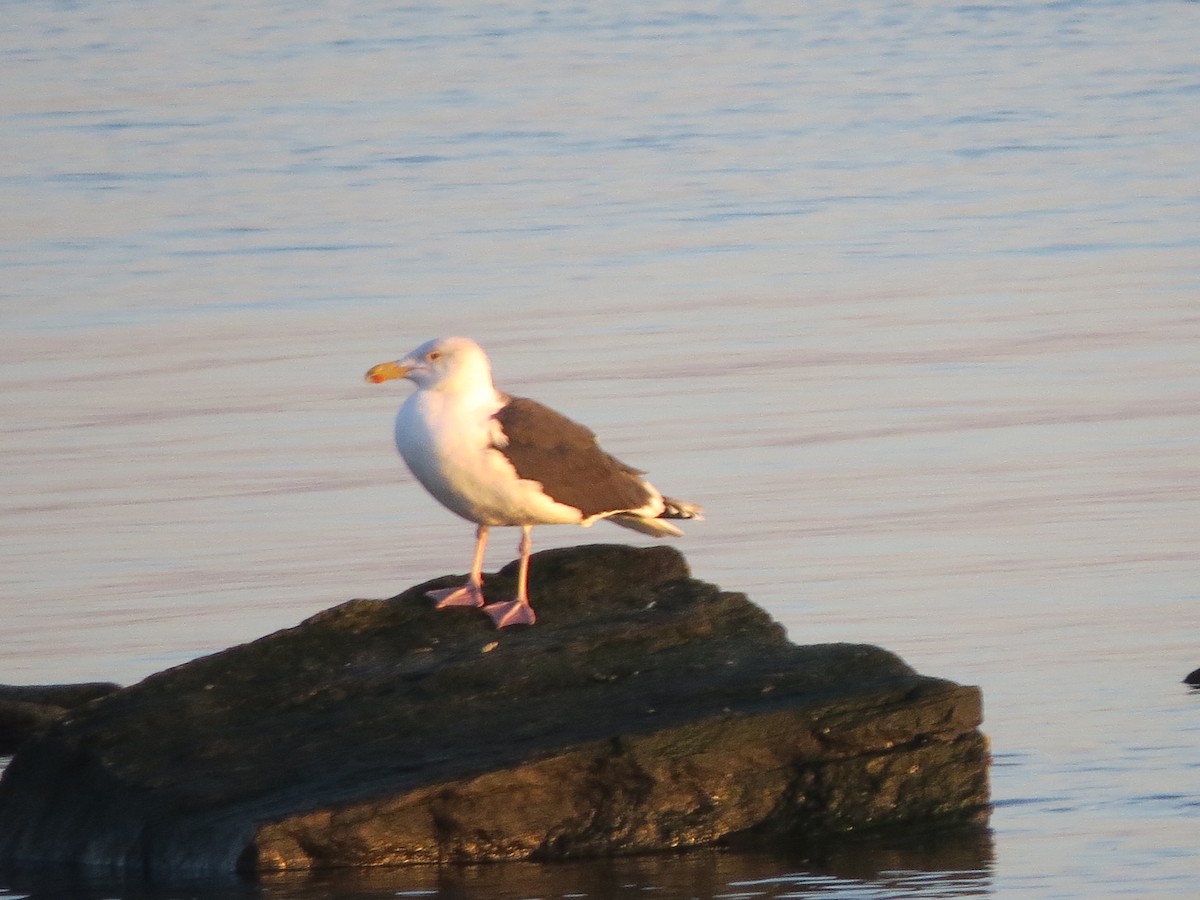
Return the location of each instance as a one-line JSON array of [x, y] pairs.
[[386, 372]]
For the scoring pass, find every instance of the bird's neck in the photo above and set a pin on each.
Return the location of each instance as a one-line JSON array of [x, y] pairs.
[[468, 392], [470, 383]]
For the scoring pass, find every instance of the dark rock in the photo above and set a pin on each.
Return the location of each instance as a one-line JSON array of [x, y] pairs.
[[26, 710], [644, 711], [1193, 678]]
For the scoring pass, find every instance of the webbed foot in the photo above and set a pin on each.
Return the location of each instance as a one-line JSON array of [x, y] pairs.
[[514, 612], [467, 595]]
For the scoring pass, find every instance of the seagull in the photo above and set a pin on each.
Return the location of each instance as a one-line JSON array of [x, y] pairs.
[[499, 460]]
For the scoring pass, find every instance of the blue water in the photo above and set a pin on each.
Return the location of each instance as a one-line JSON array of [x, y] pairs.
[[905, 295]]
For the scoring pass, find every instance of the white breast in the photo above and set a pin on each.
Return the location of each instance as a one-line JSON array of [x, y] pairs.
[[447, 442]]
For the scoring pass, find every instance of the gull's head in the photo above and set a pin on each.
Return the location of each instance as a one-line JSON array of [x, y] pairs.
[[449, 361]]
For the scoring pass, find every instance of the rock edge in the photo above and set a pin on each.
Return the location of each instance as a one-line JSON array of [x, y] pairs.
[[27, 710]]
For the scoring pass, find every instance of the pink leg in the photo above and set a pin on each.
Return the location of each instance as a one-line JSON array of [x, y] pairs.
[[471, 593], [518, 611]]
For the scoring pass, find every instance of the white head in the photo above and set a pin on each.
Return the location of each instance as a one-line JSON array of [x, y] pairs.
[[443, 363]]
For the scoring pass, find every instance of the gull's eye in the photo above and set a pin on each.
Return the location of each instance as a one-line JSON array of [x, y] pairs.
[[433, 355]]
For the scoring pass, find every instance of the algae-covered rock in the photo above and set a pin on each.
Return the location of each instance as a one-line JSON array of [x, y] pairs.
[[644, 711]]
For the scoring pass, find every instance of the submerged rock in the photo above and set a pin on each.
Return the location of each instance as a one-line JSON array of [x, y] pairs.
[[644, 711]]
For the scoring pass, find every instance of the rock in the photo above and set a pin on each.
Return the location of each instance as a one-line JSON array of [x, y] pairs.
[[1193, 678], [29, 710], [644, 711]]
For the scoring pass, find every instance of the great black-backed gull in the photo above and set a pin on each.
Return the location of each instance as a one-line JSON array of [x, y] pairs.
[[500, 460]]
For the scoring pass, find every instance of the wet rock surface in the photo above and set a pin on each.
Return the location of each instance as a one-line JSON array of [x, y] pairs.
[[645, 711]]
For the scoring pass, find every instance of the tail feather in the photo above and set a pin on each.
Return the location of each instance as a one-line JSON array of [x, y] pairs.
[[657, 527], [652, 527]]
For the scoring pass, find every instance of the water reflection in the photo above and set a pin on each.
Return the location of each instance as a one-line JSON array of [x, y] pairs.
[[943, 865], [950, 864]]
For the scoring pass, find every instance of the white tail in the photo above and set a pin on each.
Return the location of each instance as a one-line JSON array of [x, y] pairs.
[[657, 527]]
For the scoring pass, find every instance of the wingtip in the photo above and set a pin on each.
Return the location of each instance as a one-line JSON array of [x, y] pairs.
[[681, 509]]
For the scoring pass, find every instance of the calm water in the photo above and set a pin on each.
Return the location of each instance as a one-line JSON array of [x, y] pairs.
[[905, 294]]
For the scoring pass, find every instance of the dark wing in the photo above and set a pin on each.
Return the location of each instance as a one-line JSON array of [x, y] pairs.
[[562, 455]]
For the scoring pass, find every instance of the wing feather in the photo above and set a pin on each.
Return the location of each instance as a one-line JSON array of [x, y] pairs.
[[565, 458]]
